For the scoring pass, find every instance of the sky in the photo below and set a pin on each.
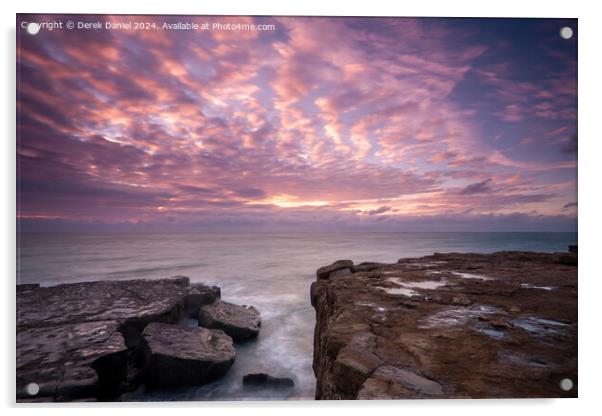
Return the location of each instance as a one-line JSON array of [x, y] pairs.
[[363, 124]]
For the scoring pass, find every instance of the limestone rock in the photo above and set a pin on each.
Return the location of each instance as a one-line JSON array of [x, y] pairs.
[[367, 267], [199, 295], [136, 301], [69, 361], [261, 379], [240, 322], [181, 355], [323, 273], [451, 325], [83, 341]]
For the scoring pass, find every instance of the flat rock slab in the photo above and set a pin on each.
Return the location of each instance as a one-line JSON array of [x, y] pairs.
[[139, 301], [452, 325], [181, 355], [240, 322], [61, 360]]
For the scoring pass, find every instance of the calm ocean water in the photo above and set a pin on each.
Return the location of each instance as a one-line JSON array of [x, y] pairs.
[[273, 272]]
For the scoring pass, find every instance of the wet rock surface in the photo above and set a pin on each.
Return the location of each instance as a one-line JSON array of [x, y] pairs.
[[264, 380], [340, 267], [180, 355], [240, 322], [449, 325], [133, 301], [67, 361], [200, 295], [83, 341]]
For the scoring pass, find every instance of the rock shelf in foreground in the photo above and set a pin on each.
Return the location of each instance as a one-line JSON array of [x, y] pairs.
[[451, 325], [99, 340]]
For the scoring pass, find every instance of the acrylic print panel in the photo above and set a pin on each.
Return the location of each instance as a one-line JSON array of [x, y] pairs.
[[234, 208]]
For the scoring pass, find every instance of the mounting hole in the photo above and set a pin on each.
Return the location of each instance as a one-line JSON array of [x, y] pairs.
[[33, 28], [566, 32], [32, 389], [566, 384]]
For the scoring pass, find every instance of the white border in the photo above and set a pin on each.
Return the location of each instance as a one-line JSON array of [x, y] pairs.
[[590, 70]]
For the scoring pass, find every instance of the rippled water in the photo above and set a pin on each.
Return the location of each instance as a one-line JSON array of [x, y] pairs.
[[273, 272]]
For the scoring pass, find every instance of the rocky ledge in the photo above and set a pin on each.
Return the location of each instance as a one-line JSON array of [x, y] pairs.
[[498, 325], [103, 340]]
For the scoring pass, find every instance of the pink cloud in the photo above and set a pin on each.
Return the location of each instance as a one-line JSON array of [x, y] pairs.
[[325, 117]]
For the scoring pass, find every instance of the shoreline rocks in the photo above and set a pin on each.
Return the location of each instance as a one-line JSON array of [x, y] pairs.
[[240, 322], [101, 340], [129, 302], [450, 325], [200, 295], [70, 360], [264, 380], [341, 267], [181, 355]]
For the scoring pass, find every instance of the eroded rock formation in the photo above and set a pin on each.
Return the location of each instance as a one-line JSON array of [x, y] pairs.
[[85, 340], [447, 326], [181, 355], [240, 322], [68, 360]]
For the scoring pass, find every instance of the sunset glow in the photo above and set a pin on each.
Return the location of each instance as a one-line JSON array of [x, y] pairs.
[[371, 123]]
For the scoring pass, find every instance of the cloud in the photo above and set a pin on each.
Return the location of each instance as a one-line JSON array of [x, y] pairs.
[[477, 188], [317, 122], [570, 147], [379, 210]]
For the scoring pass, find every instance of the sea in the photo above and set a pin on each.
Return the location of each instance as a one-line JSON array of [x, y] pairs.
[[272, 272]]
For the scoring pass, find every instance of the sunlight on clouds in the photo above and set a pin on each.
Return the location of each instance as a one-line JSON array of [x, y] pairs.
[[359, 119], [289, 201]]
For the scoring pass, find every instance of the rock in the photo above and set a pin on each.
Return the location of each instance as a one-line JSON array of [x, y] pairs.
[[324, 272], [374, 389], [498, 323], [569, 259], [408, 379], [240, 322], [367, 267], [389, 382], [259, 379], [181, 355], [354, 364], [135, 302], [313, 292], [83, 341], [461, 300], [27, 287], [573, 249], [340, 273], [199, 295], [70, 361], [134, 395], [451, 325]]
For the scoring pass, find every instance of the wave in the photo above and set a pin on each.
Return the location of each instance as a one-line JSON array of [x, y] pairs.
[[140, 270]]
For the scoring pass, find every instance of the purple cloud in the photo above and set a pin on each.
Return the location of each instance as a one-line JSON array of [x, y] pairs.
[[321, 121]]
